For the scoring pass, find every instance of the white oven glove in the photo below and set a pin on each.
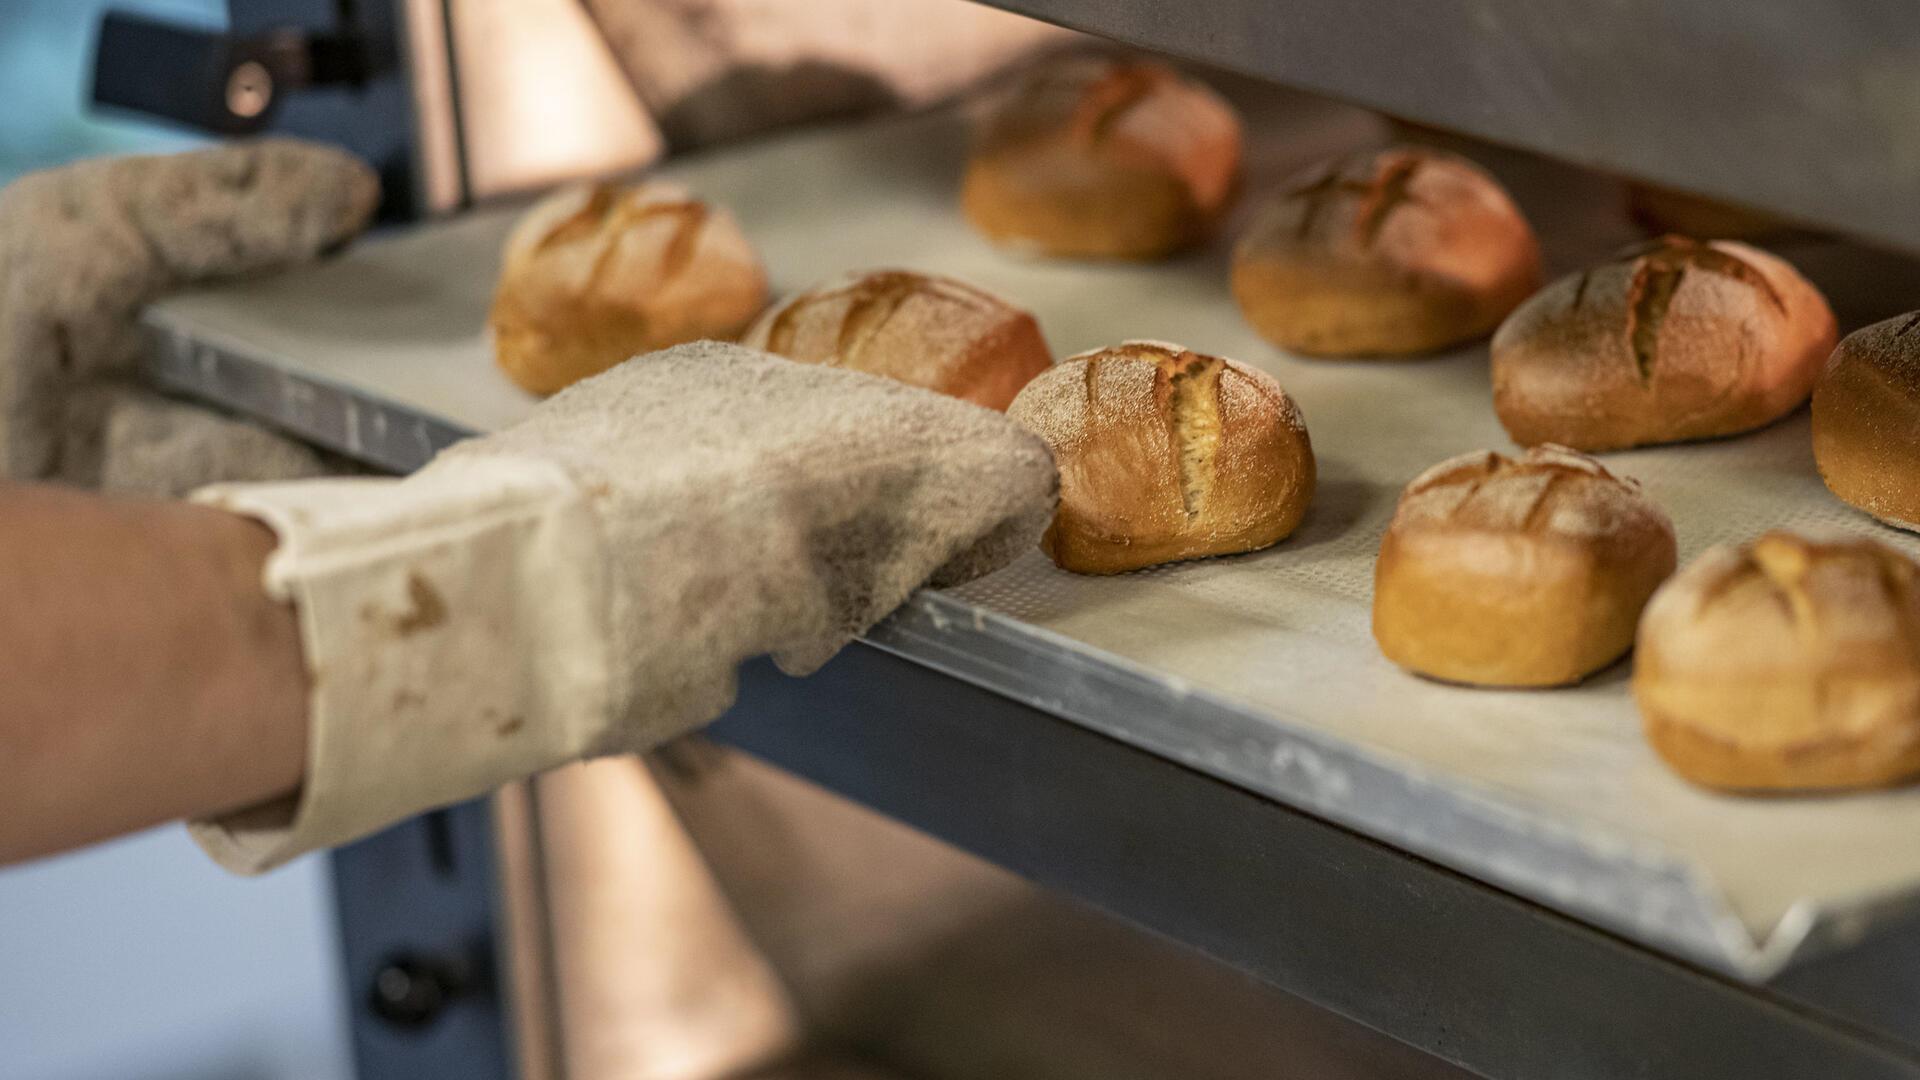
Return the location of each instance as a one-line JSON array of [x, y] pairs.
[[587, 581], [711, 70], [84, 247]]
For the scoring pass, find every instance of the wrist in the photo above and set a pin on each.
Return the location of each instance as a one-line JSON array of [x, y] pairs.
[[453, 627], [258, 675]]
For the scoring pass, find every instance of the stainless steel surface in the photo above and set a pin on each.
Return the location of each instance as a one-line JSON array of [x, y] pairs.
[[947, 967], [1805, 109], [1255, 670], [1459, 970], [508, 97], [419, 900], [539, 98]]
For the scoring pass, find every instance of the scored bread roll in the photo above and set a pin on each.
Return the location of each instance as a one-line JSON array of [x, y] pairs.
[[1166, 454], [1103, 157], [1682, 339], [1866, 420], [921, 329], [593, 275], [1394, 252], [1785, 664], [1517, 572]]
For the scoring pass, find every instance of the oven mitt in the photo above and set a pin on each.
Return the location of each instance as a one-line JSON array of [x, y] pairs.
[[85, 246], [711, 70], [587, 581], [164, 449]]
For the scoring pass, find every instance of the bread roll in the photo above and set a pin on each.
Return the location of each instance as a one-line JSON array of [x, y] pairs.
[[1784, 665], [1166, 454], [921, 329], [1866, 421], [1102, 157], [1679, 340], [1527, 572], [1390, 253], [594, 275]]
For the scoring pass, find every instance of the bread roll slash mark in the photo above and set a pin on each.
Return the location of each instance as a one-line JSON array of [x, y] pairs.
[[605, 209], [1655, 280], [1194, 415], [1390, 188], [584, 222], [1110, 99], [1785, 560], [876, 301], [679, 250]]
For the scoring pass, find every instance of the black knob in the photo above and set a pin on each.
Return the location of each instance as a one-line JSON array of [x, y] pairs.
[[411, 990], [219, 82]]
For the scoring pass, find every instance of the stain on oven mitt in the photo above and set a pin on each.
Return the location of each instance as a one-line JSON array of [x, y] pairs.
[[84, 247], [587, 581]]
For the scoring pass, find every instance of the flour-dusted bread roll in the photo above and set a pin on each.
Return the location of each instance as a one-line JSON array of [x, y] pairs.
[[1166, 454], [921, 329], [1866, 420], [1498, 571], [1682, 339], [595, 274], [1393, 252], [1786, 664], [1103, 157]]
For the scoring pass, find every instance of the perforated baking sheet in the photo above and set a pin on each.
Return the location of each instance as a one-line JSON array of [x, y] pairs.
[[1257, 668]]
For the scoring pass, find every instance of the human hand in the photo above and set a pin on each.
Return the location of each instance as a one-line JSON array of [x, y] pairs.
[[587, 581], [85, 246]]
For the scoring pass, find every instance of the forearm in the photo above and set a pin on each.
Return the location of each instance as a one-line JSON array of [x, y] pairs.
[[144, 673]]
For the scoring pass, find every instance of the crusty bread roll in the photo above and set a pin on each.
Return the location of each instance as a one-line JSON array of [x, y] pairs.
[[1528, 572], [1166, 454], [1866, 420], [593, 275], [1679, 340], [1395, 252], [921, 329], [1785, 664], [1103, 157]]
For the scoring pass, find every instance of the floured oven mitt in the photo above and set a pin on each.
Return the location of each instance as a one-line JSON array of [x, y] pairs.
[[164, 449], [711, 70], [85, 246], [587, 581]]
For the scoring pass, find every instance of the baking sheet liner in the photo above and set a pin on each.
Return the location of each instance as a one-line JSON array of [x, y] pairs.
[[1280, 635]]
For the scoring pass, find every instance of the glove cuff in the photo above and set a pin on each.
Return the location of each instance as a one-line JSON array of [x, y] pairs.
[[454, 626]]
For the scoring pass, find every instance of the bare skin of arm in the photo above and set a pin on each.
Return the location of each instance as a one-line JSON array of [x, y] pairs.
[[145, 675]]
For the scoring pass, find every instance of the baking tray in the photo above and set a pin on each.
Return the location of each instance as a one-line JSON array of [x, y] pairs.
[[1257, 669]]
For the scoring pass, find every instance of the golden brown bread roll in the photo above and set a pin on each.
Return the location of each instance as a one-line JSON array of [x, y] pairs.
[[1682, 339], [1394, 252], [1528, 572], [593, 275], [1104, 157], [1785, 664], [1166, 454], [921, 329], [1866, 420]]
